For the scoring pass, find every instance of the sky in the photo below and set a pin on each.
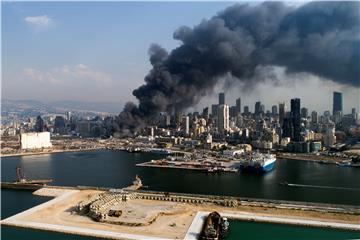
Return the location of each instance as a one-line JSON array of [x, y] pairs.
[[98, 52]]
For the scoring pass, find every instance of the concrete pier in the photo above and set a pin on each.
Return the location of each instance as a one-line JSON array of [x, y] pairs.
[[13, 185], [165, 215], [201, 198]]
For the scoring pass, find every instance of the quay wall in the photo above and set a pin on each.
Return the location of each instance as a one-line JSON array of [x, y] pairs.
[[201, 198], [231, 201]]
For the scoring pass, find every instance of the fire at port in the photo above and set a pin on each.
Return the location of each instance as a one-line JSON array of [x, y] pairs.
[[241, 43]]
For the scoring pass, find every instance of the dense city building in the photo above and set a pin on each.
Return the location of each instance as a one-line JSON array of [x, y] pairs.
[[238, 106], [274, 110], [282, 111], [223, 118], [214, 109], [337, 103], [314, 117], [221, 98], [185, 125], [304, 112], [257, 108], [295, 119], [291, 130], [39, 125], [246, 110]]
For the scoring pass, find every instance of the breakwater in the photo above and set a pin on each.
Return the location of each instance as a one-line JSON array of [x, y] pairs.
[[202, 198]]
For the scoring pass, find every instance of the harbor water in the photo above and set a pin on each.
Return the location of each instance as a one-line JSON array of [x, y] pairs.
[[334, 184], [270, 231], [312, 182]]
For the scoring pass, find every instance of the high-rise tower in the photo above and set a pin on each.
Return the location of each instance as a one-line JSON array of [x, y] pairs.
[[221, 98], [282, 111], [337, 103], [238, 106], [223, 118], [295, 118], [257, 107]]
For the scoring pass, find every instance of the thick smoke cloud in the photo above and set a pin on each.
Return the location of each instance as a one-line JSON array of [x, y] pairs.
[[321, 38]]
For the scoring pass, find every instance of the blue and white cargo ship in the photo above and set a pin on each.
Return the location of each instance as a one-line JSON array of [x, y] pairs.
[[258, 162]]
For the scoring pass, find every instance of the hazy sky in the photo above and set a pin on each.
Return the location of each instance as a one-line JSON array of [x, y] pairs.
[[97, 52]]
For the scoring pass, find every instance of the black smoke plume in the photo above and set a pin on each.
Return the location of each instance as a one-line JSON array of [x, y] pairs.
[[321, 38]]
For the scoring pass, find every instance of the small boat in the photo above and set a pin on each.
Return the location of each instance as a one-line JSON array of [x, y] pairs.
[[209, 170], [213, 170], [133, 149], [284, 183], [344, 164]]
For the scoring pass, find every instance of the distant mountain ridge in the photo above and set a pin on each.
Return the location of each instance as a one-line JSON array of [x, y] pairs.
[[110, 107]]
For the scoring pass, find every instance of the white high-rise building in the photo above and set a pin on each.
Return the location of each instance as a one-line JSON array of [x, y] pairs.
[[329, 137], [357, 118], [185, 124], [209, 138], [68, 115], [223, 118]]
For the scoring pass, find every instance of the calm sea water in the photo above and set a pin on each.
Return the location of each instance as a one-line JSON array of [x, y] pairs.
[[269, 231], [117, 169], [16, 201]]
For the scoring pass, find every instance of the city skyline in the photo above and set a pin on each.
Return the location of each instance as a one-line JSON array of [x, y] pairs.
[[106, 71], [180, 120]]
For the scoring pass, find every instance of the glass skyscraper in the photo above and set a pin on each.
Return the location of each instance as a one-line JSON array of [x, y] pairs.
[[221, 98], [337, 103], [296, 118]]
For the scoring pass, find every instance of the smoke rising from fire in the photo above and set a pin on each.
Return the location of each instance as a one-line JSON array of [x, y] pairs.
[[321, 38]]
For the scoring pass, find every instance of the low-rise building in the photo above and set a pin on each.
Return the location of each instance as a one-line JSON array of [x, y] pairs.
[[229, 153], [35, 140]]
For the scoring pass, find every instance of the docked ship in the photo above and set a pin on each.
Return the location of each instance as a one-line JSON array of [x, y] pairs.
[[160, 151], [258, 162]]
